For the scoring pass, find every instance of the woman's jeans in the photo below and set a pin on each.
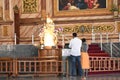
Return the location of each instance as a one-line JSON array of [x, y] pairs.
[[75, 60]]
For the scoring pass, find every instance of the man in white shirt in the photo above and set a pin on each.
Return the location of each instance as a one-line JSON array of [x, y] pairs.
[[75, 45]]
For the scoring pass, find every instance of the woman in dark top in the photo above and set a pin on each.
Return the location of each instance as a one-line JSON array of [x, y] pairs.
[[85, 58]]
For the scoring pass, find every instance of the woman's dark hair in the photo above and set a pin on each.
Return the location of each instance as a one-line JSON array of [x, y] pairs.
[[83, 40], [74, 34]]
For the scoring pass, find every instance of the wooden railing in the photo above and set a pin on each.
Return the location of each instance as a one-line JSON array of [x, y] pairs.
[[34, 66], [6, 66], [37, 67], [100, 64]]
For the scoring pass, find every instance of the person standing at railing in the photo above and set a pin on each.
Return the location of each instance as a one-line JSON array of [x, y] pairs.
[[75, 45], [85, 58]]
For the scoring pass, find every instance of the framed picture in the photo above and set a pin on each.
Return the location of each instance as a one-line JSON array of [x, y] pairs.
[[81, 7]]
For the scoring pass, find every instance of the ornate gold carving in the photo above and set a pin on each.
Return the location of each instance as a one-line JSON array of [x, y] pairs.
[[87, 28], [29, 6]]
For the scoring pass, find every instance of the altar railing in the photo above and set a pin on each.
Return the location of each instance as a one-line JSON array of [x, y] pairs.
[[35, 67], [100, 64]]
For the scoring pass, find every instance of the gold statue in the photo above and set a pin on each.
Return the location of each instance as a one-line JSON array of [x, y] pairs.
[[48, 37]]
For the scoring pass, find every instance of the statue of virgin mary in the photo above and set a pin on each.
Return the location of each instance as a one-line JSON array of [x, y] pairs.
[[49, 36]]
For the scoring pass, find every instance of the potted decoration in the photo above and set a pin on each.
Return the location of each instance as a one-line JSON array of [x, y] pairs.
[[115, 10]]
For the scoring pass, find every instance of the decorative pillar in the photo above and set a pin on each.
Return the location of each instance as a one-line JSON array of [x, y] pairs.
[[6, 10], [119, 2], [115, 2], [43, 9], [1, 12], [17, 24]]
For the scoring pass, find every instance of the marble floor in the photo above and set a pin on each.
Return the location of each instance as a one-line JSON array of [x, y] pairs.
[[115, 76]]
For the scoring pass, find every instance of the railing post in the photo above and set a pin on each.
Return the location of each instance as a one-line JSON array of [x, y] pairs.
[[111, 48], [101, 40], [15, 70]]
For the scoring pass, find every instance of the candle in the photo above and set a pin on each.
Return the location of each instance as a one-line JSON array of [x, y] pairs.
[[63, 41], [32, 39], [15, 38], [93, 34]]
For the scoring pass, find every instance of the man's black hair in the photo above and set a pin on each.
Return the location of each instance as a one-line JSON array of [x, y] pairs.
[[74, 34]]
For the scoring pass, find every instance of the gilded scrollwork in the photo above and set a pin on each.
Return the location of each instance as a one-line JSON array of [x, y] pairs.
[[30, 6], [87, 28]]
